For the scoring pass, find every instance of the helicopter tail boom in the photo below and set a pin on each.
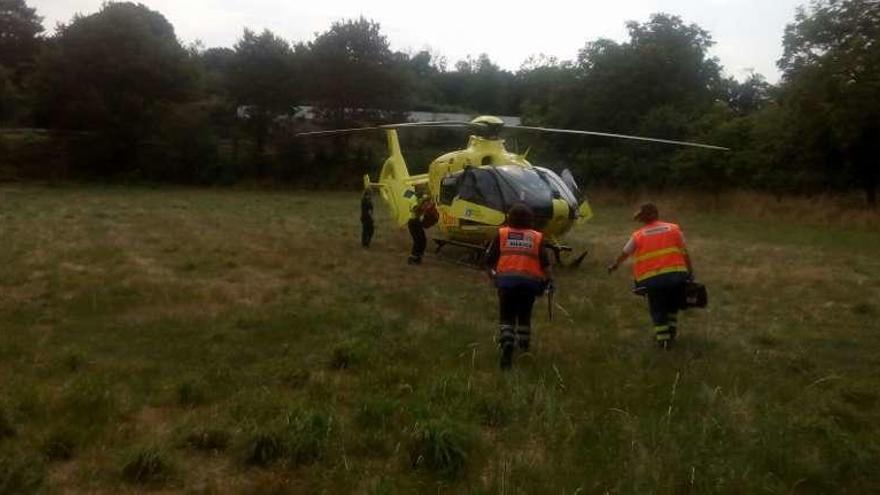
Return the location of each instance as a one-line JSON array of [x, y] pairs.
[[396, 185]]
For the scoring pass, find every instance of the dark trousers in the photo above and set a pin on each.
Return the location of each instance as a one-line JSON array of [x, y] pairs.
[[665, 298], [515, 305], [367, 230], [420, 242]]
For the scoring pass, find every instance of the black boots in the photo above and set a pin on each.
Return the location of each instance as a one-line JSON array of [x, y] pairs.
[[523, 336], [506, 356]]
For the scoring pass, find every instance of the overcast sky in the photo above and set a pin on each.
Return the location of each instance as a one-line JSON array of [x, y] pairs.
[[748, 33]]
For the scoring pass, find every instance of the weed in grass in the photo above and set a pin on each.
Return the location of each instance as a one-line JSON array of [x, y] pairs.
[[344, 356], [862, 398], [766, 340], [598, 441], [372, 443], [146, 465], [297, 378], [308, 435], [383, 487], [208, 440], [863, 308], [7, 428], [59, 446], [799, 362], [493, 411], [20, 474], [270, 485], [73, 362], [375, 413], [249, 323], [191, 394], [263, 448], [90, 401], [442, 447], [448, 390], [189, 266]]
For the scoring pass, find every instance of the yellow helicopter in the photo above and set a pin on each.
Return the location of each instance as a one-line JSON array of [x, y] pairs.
[[474, 187]]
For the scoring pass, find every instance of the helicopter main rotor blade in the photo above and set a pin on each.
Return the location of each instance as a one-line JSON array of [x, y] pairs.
[[389, 126], [618, 136]]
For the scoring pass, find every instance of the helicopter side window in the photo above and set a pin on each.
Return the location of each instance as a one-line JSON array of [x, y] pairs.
[[467, 187], [449, 188], [478, 185], [490, 193]]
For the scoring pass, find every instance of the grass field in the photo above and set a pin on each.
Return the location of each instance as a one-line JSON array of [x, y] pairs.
[[217, 341]]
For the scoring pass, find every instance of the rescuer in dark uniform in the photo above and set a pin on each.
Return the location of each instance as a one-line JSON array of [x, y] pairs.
[[423, 216], [517, 261], [367, 226]]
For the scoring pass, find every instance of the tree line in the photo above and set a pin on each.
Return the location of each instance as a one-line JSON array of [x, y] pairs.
[[124, 99]]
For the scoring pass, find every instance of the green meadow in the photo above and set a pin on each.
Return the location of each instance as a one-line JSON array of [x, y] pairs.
[[241, 341]]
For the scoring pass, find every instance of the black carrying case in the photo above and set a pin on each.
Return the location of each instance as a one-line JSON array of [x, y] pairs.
[[695, 295]]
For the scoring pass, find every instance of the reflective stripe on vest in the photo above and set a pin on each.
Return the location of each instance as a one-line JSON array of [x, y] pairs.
[[520, 253], [659, 250]]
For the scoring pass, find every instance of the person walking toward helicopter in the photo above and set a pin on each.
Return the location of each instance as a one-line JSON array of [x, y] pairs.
[[661, 270], [519, 266], [423, 215]]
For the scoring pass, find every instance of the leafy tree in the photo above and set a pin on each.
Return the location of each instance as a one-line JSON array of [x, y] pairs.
[[479, 85], [116, 72], [117, 66], [831, 69], [422, 70], [539, 83], [10, 98], [748, 96], [216, 69], [354, 73], [20, 28], [656, 83], [262, 82], [664, 63]]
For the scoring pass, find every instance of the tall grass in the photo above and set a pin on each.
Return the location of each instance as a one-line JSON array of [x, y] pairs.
[[236, 340]]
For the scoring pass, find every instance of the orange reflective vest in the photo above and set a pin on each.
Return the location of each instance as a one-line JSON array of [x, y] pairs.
[[659, 249], [520, 253]]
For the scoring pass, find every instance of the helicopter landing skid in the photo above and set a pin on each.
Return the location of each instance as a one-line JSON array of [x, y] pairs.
[[473, 257], [557, 254]]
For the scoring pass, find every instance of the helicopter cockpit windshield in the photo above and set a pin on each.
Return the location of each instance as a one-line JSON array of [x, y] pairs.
[[500, 187]]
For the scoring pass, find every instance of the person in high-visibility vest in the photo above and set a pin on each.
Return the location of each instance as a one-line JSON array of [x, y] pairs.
[[661, 269], [519, 266]]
